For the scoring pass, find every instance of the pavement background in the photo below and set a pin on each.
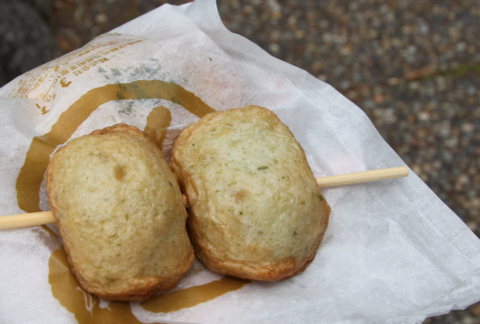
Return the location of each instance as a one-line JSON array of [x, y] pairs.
[[413, 66]]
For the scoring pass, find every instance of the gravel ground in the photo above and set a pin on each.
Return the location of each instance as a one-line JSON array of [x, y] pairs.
[[26, 39], [412, 65]]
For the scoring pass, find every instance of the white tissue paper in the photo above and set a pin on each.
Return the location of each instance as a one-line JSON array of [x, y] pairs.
[[392, 253]]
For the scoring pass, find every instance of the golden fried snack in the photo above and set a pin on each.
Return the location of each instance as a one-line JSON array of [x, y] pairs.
[[120, 213], [255, 210]]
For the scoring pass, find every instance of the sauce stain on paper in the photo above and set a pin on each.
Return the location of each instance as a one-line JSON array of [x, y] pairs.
[[36, 162], [157, 123], [189, 297], [67, 291], [86, 308]]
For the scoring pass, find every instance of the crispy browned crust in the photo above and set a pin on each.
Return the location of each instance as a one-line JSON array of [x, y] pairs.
[[120, 128], [312, 257], [141, 294], [278, 271], [137, 294], [272, 271]]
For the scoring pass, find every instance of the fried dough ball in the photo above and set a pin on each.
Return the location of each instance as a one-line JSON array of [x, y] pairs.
[[120, 213], [255, 210]]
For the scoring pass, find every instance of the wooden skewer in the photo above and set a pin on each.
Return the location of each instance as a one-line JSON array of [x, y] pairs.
[[362, 177], [46, 217], [26, 220]]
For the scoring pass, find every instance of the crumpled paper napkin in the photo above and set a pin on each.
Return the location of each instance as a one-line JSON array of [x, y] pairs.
[[393, 252]]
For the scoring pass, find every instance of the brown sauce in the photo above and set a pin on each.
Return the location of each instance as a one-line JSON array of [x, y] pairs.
[[157, 123], [86, 308], [36, 161], [189, 297]]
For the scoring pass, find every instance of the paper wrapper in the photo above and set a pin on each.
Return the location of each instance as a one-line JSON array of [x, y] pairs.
[[393, 252]]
